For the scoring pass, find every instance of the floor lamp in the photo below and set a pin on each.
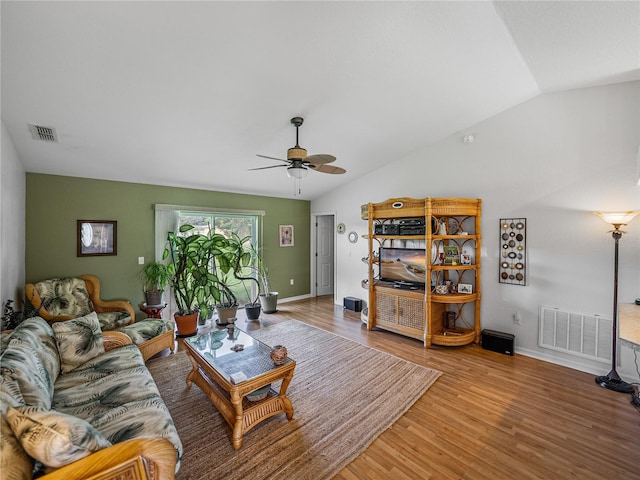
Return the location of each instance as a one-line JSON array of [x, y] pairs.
[[612, 380]]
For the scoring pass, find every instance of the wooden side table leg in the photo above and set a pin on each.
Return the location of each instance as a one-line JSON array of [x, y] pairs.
[[236, 438], [193, 371], [288, 407]]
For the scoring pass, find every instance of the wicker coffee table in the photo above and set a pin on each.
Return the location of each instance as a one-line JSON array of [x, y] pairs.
[[229, 366]]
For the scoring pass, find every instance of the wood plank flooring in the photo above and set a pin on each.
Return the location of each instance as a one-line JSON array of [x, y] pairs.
[[489, 416]]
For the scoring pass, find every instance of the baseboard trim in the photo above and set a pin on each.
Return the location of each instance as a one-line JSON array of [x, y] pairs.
[[293, 299], [559, 361]]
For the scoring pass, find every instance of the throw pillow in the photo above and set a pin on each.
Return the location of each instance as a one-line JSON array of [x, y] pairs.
[[79, 340], [54, 438]]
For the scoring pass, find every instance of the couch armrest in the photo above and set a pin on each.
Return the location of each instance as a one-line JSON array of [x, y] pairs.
[[152, 458], [33, 297], [113, 339], [99, 305]]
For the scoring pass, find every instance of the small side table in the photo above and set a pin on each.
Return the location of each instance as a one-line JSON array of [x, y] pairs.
[[152, 311]]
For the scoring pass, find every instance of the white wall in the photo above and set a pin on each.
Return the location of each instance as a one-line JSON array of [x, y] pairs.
[[12, 222], [552, 160]]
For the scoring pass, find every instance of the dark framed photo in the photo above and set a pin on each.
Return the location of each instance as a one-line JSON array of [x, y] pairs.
[[97, 238], [286, 235]]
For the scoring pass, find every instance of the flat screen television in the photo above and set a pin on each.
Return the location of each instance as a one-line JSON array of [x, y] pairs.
[[403, 265]]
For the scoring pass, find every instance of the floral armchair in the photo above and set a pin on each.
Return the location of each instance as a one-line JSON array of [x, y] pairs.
[[60, 299]]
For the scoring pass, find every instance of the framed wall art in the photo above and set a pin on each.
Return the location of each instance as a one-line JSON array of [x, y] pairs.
[[286, 235], [97, 238]]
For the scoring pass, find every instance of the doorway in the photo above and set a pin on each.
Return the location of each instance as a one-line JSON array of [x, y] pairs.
[[324, 254]]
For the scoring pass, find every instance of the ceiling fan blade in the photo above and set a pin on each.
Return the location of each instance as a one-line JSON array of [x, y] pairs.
[[320, 158], [273, 158], [272, 166], [327, 169]]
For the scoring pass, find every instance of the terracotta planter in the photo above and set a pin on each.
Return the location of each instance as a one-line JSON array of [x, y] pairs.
[[187, 324]]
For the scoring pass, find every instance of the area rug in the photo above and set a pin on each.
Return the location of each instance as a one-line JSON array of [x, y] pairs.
[[344, 395]]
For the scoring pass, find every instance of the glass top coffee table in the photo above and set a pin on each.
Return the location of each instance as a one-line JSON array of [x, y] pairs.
[[228, 367]]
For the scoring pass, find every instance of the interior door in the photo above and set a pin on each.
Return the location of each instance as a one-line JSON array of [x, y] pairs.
[[324, 254]]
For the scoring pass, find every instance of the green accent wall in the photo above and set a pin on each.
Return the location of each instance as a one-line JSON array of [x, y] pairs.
[[54, 203]]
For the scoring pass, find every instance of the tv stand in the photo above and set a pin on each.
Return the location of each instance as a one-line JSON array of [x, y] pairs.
[[451, 242]]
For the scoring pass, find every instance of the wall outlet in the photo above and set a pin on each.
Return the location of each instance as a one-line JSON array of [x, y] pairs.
[[516, 318], [140, 260], [291, 282]]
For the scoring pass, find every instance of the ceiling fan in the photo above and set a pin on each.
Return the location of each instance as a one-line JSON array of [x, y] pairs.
[[298, 163]]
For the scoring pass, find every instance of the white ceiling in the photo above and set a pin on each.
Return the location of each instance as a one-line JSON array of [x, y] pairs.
[[187, 93]]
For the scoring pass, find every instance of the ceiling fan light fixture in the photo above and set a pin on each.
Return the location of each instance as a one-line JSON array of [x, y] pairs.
[[296, 153], [297, 172]]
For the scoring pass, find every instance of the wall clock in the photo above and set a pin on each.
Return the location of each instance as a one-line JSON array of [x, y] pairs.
[[353, 237], [341, 228]]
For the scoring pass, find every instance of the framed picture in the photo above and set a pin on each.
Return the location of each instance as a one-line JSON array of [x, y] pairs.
[[451, 255], [465, 259], [465, 288], [286, 235], [97, 238]]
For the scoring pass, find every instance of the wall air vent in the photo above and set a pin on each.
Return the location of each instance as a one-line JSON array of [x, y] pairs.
[[45, 134], [587, 336]]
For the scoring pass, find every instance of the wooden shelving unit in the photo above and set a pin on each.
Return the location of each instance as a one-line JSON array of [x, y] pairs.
[[420, 313]]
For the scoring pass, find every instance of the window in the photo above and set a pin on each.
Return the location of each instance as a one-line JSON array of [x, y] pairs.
[[225, 224], [244, 223]]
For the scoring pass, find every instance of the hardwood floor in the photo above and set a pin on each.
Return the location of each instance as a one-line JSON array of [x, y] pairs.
[[489, 416]]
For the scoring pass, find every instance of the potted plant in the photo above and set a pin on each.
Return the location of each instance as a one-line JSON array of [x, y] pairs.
[[155, 277], [227, 305], [10, 318], [268, 298], [245, 261], [250, 257], [194, 277]]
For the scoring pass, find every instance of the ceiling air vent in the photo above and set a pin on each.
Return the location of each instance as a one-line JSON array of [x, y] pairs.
[[46, 134]]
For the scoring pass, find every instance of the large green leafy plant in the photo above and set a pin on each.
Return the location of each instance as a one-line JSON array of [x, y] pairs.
[[198, 266]]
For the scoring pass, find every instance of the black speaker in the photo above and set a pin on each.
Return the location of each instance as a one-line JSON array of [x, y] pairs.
[[352, 303], [498, 341]]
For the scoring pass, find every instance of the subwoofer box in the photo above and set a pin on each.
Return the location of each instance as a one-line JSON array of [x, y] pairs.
[[352, 303], [498, 341]]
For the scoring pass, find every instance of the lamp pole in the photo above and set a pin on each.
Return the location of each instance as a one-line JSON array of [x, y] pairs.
[[612, 380]]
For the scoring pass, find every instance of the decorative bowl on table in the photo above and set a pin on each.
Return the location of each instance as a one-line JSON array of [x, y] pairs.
[[279, 354], [259, 394]]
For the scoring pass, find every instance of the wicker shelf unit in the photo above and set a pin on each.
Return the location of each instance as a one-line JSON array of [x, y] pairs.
[[420, 312]]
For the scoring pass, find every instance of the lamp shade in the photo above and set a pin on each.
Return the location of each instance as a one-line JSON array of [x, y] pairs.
[[297, 172], [618, 218]]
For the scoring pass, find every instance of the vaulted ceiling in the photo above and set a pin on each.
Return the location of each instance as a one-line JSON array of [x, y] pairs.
[[187, 93]]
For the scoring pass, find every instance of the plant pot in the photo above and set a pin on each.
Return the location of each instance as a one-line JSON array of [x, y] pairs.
[[187, 324], [153, 298], [225, 313], [253, 311], [269, 302], [202, 320]]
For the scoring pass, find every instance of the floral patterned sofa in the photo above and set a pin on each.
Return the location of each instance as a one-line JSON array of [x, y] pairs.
[[79, 403], [59, 299]]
